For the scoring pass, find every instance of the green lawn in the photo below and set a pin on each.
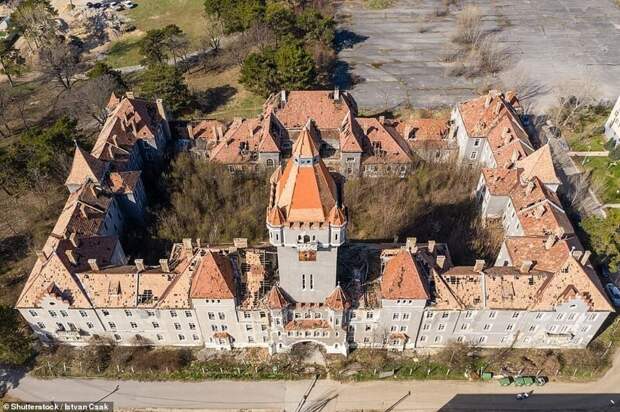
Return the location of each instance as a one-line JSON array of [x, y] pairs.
[[588, 135], [152, 14], [605, 177]]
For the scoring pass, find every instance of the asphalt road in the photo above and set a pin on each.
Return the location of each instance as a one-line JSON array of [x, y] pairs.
[[399, 52], [327, 395]]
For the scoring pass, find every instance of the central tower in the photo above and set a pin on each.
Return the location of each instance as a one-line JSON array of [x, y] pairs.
[[306, 222]]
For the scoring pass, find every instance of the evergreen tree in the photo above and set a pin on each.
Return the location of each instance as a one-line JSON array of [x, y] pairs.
[[167, 83], [259, 72], [296, 70], [11, 61]]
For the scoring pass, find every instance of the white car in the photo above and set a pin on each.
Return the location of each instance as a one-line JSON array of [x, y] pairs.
[[614, 293], [129, 4]]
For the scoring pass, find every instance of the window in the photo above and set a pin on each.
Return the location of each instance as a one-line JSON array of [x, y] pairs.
[[52, 313], [532, 328], [150, 313], [90, 325], [437, 339], [262, 315], [311, 282], [195, 337], [173, 314], [192, 326], [592, 317], [423, 338], [509, 327], [403, 329], [34, 313], [369, 315], [473, 155], [250, 339], [117, 336], [214, 328], [60, 327], [539, 316], [112, 325], [405, 316], [128, 313], [426, 326], [188, 313], [476, 142], [303, 282], [445, 315], [441, 326], [155, 325], [248, 327], [468, 314], [133, 325], [159, 337], [317, 315], [560, 316], [394, 328], [247, 315], [181, 337], [571, 316], [395, 316], [222, 315], [41, 325], [482, 339], [515, 315], [105, 312], [465, 326], [224, 328], [429, 315], [177, 326], [211, 315], [83, 313], [492, 315], [487, 326]]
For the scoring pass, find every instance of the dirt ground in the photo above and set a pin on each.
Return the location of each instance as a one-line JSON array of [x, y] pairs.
[[398, 52]]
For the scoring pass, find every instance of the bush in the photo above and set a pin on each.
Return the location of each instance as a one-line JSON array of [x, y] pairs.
[[15, 340], [468, 26]]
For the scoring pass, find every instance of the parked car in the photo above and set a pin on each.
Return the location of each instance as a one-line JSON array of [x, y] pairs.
[[129, 4], [614, 293], [605, 271], [89, 4]]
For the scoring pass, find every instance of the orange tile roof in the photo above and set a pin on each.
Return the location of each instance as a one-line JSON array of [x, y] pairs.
[[351, 135], [214, 278], [337, 300], [276, 299], [84, 212], [85, 167], [208, 129], [337, 217], [124, 182], [402, 279], [540, 164], [305, 193], [483, 113], [525, 248], [318, 105], [500, 182], [383, 144]]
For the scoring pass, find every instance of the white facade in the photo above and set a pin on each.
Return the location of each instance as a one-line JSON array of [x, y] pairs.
[[612, 126]]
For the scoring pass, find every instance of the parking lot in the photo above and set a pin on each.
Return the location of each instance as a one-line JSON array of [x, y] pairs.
[[399, 51]]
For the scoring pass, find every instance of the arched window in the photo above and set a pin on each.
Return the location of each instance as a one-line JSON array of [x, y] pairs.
[[306, 239], [269, 162]]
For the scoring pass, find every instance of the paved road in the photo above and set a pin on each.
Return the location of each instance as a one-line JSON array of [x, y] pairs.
[[333, 396], [399, 51]]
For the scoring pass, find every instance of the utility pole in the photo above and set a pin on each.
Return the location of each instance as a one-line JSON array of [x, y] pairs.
[[395, 404], [304, 398]]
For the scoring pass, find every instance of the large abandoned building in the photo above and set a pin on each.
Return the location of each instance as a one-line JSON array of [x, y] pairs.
[[309, 284]]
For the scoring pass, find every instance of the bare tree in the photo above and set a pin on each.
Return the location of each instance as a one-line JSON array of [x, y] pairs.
[[571, 100], [60, 60], [214, 33], [91, 97]]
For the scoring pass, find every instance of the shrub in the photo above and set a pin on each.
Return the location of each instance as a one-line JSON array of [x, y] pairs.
[[468, 26]]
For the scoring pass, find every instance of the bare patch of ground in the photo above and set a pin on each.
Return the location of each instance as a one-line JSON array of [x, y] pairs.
[[400, 55]]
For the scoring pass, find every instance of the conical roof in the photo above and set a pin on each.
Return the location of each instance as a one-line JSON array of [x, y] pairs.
[[85, 167], [337, 300], [276, 299]]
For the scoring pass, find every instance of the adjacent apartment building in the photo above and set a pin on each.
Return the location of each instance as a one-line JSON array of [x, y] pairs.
[[311, 284], [612, 126]]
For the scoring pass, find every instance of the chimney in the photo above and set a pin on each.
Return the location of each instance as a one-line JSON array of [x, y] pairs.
[[283, 96], [187, 244], [114, 140], [487, 101], [73, 239], [526, 266], [220, 133], [479, 265], [164, 265], [83, 210], [559, 232], [110, 152], [381, 119], [130, 95], [41, 255], [411, 243], [408, 131], [133, 127], [93, 190], [431, 246], [585, 257], [197, 242], [515, 156], [529, 188], [139, 264], [93, 265], [161, 109], [550, 241], [72, 256], [190, 131], [498, 107], [336, 94], [441, 261], [577, 254]]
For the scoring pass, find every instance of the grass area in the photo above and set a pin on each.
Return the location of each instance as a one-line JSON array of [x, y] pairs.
[[226, 97], [587, 135], [378, 4], [153, 14], [605, 176]]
